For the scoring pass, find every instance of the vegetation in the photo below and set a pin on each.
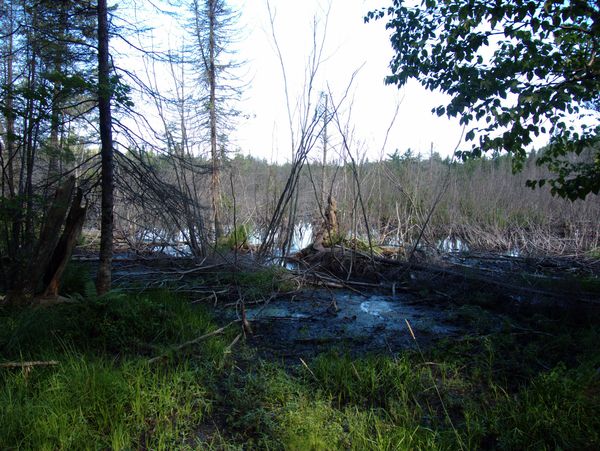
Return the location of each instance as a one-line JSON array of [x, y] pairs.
[[95, 368], [532, 389], [514, 70]]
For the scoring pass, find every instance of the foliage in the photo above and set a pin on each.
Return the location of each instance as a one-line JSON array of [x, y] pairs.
[[76, 281], [114, 323], [515, 69]]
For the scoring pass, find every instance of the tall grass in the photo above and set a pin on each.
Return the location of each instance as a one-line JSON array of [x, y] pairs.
[[103, 394], [89, 402]]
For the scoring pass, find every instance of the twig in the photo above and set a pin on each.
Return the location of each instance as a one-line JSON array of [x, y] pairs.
[[232, 344]]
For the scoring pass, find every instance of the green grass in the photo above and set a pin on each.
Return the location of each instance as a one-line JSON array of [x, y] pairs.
[[104, 394], [259, 284], [534, 385], [89, 402]]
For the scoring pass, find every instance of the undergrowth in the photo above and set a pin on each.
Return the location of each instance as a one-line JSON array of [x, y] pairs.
[[259, 284], [532, 387]]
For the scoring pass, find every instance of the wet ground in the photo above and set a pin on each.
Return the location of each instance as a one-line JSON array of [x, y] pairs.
[[311, 321], [318, 320]]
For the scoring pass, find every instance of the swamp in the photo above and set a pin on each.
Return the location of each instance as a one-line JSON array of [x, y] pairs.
[[166, 285]]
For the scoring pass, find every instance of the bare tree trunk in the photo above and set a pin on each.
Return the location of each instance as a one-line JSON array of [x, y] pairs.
[[103, 280], [212, 78], [325, 98]]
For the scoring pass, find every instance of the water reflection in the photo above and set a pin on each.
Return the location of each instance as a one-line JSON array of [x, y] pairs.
[[452, 245]]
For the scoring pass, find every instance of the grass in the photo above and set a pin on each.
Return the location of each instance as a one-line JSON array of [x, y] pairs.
[[89, 402], [104, 394], [535, 386], [260, 283], [235, 239]]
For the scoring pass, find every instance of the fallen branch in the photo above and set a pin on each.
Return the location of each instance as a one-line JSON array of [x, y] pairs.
[[28, 364], [192, 342]]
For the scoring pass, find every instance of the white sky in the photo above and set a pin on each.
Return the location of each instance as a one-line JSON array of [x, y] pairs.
[[350, 44], [262, 130]]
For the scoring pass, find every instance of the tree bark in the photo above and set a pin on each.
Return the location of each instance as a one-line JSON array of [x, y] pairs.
[[212, 81], [62, 252], [10, 116], [103, 279], [27, 282]]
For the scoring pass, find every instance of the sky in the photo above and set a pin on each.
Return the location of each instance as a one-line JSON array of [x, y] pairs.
[[350, 45]]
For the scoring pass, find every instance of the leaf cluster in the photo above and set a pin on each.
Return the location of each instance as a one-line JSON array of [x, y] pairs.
[[514, 70]]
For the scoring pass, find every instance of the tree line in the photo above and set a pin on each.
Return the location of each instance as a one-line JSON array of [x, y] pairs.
[[65, 96]]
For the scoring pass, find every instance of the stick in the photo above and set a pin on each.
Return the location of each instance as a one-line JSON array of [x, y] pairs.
[[28, 364], [192, 342]]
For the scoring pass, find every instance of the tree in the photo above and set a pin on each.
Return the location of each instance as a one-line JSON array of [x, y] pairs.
[[103, 280], [514, 70], [38, 92], [213, 28]]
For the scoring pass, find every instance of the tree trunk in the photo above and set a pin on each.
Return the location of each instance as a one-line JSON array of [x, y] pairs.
[[55, 115], [27, 282], [9, 115], [212, 81], [103, 280], [62, 252]]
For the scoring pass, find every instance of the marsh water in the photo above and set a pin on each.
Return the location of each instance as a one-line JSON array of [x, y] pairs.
[[316, 320]]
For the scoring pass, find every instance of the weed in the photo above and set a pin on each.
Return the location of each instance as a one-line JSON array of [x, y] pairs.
[[259, 284], [236, 239]]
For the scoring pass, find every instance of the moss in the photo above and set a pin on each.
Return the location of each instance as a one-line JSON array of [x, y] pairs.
[[236, 239]]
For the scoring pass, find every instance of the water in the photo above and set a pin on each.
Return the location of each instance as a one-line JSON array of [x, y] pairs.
[[452, 245], [315, 318], [514, 252], [376, 308], [302, 237]]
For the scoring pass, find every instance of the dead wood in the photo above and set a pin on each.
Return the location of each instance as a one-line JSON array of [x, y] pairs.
[[388, 271], [28, 364], [192, 342]]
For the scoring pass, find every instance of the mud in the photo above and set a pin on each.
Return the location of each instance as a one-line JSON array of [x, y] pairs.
[[498, 290], [319, 320]]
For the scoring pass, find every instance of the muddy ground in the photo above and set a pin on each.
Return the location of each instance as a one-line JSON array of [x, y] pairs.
[[317, 320], [383, 307]]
